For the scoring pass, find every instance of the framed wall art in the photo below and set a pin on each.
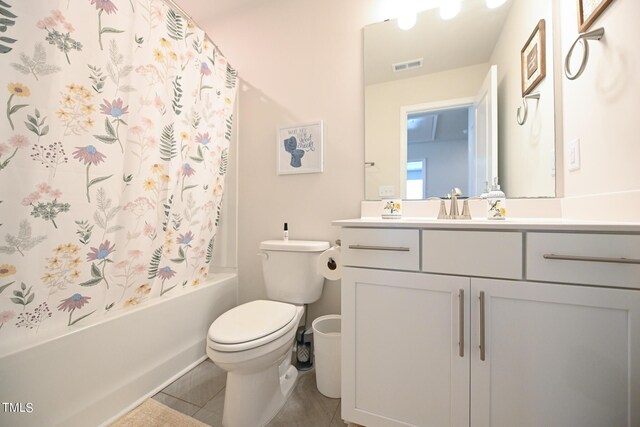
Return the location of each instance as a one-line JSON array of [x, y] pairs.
[[533, 59], [299, 148], [588, 12]]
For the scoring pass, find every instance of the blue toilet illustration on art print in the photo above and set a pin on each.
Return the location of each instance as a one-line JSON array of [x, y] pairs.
[[290, 146]]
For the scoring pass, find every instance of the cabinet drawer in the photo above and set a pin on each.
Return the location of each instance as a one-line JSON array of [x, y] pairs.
[[473, 253], [381, 248], [589, 259]]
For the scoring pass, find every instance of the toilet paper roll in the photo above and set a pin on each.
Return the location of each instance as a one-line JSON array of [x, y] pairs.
[[330, 263]]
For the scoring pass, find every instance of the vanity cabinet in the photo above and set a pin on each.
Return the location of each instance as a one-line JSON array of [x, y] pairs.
[[401, 348], [554, 355], [480, 346]]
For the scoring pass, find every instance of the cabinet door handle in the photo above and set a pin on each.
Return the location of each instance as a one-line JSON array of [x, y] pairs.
[[482, 327], [380, 248], [461, 323], [591, 259]]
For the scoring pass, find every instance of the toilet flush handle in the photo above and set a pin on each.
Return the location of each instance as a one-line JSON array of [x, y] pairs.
[[264, 255]]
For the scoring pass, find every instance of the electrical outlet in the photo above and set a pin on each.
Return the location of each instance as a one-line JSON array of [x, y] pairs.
[[386, 191], [573, 155]]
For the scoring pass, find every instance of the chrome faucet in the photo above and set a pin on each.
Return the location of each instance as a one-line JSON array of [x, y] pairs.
[[466, 212], [442, 213], [454, 213]]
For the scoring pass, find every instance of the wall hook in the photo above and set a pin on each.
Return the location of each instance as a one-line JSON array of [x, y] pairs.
[[583, 38], [522, 119]]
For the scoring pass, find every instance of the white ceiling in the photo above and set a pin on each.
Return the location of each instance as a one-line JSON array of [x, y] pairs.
[[203, 10], [449, 124], [465, 40]]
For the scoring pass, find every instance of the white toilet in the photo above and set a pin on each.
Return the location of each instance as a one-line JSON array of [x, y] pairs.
[[253, 341]]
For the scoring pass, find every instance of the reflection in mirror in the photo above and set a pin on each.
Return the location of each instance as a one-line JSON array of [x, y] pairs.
[[417, 81], [458, 137], [443, 137]]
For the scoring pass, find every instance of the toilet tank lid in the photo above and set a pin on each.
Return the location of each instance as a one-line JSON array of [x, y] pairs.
[[294, 245]]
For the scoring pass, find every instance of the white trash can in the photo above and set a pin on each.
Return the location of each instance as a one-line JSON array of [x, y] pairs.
[[326, 342]]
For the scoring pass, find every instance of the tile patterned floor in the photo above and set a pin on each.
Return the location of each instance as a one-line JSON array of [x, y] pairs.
[[200, 394]]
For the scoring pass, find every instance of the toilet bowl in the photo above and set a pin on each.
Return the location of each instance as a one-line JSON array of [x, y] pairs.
[[260, 376], [253, 342]]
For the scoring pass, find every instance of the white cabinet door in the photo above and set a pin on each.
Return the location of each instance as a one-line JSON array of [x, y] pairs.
[[555, 355], [404, 362]]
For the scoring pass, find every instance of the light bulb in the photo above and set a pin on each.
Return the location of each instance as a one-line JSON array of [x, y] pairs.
[[449, 9], [407, 20], [492, 4]]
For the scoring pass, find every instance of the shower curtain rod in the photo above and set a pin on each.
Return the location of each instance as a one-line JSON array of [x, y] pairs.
[[174, 5]]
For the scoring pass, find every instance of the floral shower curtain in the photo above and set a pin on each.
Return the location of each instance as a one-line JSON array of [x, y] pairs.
[[113, 154]]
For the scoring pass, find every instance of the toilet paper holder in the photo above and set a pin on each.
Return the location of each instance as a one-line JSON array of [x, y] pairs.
[[332, 264]]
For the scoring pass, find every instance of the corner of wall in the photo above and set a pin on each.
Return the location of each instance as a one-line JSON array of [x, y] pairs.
[[558, 77]]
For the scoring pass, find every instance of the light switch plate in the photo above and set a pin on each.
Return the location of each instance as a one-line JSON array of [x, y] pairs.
[[573, 155], [386, 191]]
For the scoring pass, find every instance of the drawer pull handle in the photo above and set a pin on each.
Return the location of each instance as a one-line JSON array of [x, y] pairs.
[[380, 248], [592, 259], [482, 327], [461, 321]]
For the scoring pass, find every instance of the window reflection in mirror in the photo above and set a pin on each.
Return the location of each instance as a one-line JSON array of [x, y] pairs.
[[441, 139], [417, 179]]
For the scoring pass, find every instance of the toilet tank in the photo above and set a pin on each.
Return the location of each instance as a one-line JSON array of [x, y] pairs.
[[290, 270]]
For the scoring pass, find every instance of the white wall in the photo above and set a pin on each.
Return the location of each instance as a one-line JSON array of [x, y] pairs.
[[298, 60], [526, 159], [602, 109], [382, 116]]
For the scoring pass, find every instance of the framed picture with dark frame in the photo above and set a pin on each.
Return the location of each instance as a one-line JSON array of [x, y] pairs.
[[589, 11], [533, 59]]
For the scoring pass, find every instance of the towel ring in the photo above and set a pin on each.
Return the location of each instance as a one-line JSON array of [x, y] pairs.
[[523, 119], [583, 39]]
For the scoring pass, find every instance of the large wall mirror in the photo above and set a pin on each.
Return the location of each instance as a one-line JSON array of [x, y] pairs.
[[441, 101]]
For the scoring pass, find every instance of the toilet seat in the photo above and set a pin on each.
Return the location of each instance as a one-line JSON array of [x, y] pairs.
[[251, 325]]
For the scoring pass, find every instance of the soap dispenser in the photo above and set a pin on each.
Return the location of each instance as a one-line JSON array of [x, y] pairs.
[[497, 202]]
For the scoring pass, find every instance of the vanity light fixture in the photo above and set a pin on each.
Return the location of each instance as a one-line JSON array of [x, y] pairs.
[[407, 12], [449, 9], [407, 20], [494, 4]]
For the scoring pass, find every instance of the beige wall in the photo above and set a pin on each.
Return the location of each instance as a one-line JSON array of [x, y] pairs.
[[602, 107], [526, 159], [382, 117], [299, 61]]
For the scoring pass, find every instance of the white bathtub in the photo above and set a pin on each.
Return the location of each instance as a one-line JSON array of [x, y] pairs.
[[97, 373]]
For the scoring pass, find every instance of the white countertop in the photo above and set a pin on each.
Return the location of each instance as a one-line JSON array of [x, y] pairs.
[[516, 224]]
